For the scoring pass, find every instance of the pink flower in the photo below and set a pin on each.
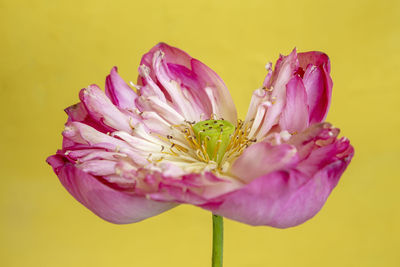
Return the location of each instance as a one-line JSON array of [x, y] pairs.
[[128, 155]]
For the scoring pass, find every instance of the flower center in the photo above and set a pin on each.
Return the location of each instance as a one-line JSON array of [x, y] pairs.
[[215, 136]]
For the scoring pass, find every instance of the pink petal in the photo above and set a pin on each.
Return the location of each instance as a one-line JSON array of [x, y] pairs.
[[98, 167], [280, 199], [191, 86], [193, 188], [119, 92], [156, 123], [317, 82], [87, 137], [314, 58], [109, 204], [268, 77], [324, 155], [209, 79], [312, 137], [294, 117], [262, 158], [103, 110], [168, 69], [84, 134], [180, 101], [290, 195], [258, 97], [154, 104], [283, 73], [193, 78], [172, 55], [78, 113]]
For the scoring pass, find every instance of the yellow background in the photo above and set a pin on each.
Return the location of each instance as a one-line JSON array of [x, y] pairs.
[[51, 49]]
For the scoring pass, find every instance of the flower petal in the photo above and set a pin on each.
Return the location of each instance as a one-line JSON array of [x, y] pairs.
[[88, 137], [294, 117], [283, 73], [192, 188], [209, 79], [109, 204], [119, 92], [262, 158], [280, 199], [78, 113], [317, 82], [188, 83], [101, 109], [291, 194]]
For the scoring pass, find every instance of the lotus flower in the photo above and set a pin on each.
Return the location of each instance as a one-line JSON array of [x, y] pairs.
[[131, 154]]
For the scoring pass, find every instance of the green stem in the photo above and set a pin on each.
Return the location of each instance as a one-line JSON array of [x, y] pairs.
[[218, 240]]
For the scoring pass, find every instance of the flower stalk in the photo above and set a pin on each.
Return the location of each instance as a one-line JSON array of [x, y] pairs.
[[218, 240]]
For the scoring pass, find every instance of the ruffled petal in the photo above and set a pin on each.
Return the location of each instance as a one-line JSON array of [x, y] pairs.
[[289, 195], [109, 204], [280, 199]]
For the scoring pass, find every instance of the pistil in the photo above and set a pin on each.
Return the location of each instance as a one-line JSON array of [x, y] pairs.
[[214, 137]]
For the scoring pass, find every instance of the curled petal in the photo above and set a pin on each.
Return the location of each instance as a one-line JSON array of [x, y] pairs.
[[314, 136], [317, 82], [284, 71], [103, 110], [85, 136], [173, 55], [156, 123], [322, 156], [109, 204], [258, 97], [185, 81], [314, 58], [78, 113], [167, 112], [209, 79], [119, 92], [294, 117]]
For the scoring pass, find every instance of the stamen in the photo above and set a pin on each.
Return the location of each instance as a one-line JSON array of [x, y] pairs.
[[207, 145]]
